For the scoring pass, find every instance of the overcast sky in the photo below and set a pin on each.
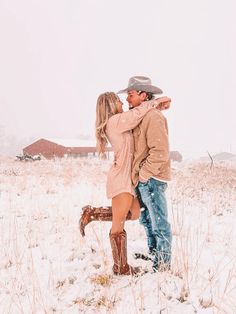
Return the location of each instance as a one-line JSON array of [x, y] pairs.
[[57, 56]]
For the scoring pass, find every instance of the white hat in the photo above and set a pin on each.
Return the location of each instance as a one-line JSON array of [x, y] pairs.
[[141, 83]]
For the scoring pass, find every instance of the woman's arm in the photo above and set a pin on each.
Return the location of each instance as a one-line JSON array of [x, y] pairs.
[[126, 121]]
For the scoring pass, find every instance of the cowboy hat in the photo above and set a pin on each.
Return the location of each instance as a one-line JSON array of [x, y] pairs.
[[141, 83]]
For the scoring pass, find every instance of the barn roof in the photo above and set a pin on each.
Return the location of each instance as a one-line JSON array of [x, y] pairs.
[[72, 142]]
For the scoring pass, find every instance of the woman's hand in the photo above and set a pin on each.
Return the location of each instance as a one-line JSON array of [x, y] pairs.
[[162, 103]]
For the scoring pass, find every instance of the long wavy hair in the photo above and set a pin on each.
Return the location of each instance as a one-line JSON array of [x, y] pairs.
[[106, 107]]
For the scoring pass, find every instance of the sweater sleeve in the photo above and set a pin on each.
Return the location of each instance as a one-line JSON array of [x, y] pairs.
[[126, 121], [158, 144]]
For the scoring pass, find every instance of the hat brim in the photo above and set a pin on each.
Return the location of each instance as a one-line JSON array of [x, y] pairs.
[[144, 88]]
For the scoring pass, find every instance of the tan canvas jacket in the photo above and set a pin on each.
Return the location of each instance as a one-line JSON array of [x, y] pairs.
[[151, 148]]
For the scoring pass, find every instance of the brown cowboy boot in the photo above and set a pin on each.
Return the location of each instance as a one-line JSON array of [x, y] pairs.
[[119, 252], [96, 214]]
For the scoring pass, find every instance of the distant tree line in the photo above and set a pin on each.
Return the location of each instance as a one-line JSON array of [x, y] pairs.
[[10, 145]]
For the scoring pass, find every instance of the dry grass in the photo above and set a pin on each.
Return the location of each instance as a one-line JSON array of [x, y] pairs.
[[103, 280], [46, 267]]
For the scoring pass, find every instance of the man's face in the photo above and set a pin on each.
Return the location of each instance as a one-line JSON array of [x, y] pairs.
[[135, 99]]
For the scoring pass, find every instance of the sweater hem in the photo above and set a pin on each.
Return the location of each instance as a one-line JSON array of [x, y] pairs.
[[111, 195]]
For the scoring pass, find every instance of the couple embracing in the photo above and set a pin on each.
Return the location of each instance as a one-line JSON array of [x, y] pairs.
[[139, 174]]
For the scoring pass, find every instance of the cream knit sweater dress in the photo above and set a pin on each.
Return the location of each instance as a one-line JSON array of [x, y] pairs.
[[119, 133]]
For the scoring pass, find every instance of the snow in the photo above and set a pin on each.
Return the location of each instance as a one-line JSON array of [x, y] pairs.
[[47, 267]]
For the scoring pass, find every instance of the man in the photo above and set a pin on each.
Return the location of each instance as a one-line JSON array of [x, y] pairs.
[[151, 171]]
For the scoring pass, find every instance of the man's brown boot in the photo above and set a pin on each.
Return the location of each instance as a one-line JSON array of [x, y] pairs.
[[96, 214], [119, 252]]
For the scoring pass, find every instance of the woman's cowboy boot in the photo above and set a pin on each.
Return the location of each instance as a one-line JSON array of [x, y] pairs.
[[96, 214], [119, 252]]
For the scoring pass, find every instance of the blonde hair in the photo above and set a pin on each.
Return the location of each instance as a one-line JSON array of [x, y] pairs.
[[106, 107]]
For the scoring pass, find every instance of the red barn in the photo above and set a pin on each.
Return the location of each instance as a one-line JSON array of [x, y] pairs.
[[50, 148]]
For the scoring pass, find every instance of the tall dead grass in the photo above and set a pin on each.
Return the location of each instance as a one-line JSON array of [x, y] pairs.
[[46, 267]]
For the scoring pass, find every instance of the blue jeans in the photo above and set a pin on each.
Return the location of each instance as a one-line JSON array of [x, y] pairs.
[[153, 217]]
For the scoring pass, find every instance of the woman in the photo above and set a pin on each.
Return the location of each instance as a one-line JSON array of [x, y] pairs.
[[114, 125]]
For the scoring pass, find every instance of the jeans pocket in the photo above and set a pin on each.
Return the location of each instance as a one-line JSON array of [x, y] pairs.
[[159, 184], [162, 186], [142, 184]]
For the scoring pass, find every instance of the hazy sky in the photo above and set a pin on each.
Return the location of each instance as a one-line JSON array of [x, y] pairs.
[[57, 56]]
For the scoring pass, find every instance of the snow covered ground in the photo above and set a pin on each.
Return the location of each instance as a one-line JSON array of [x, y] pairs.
[[47, 267]]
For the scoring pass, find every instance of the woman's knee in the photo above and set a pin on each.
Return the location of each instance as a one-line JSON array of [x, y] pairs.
[[135, 209], [120, 207], [135, 214]]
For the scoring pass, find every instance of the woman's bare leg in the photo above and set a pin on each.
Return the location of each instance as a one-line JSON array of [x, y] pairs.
[[90, 213], [135, 209], [121, 205]]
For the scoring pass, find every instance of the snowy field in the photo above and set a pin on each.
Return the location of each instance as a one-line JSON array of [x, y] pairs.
[[47, 267]]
